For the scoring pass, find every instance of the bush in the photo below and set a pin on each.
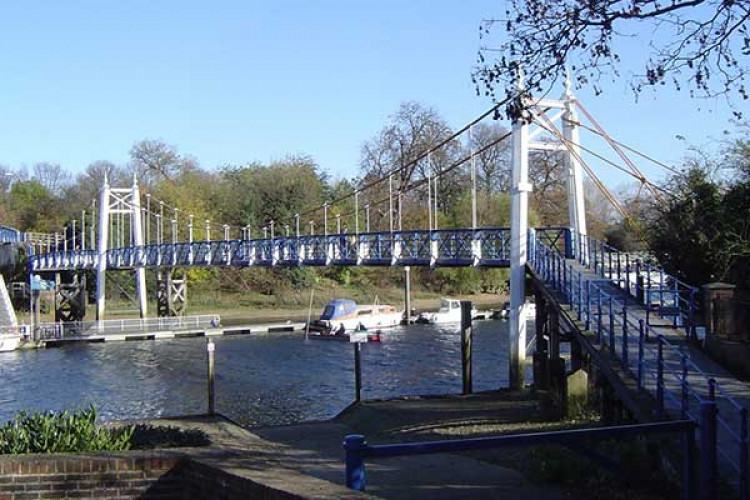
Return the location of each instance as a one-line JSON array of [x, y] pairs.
[[61, 432]]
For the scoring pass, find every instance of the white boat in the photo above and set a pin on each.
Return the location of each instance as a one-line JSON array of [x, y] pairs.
[[529, 310], [345, 316], [10, 338], [449, 312]]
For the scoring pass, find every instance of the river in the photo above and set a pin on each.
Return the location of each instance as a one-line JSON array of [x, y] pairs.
[[261, 379]]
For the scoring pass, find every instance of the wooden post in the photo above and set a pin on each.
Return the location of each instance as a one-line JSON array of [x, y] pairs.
[[407, 295], [466, 334], [211, 348], [357, 373]]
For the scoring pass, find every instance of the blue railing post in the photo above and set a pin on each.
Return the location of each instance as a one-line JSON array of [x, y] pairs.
[[659, 378], [661, 287], [708, 469], [565, 278], [609, 263], [688, 450], [619, 270], [676, 302], [641, 341], [588, 305], [612, 326], [625, 336], [599, 317], [560, 283], [601, 250], [691, 315], [354, 446], [743, 454], [580, 295], [596, 260], [684, 387], [627, 273], [568, 244]]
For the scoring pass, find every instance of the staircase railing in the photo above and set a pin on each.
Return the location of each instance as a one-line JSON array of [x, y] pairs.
[[660, 367]]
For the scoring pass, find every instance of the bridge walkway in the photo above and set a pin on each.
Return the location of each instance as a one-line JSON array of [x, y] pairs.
[[652, 344]]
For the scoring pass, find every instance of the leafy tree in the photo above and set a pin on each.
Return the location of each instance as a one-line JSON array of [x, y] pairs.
[[35, 207], [701, 44]]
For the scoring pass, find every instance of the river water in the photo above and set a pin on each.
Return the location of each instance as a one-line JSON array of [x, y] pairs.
[[261, 379]]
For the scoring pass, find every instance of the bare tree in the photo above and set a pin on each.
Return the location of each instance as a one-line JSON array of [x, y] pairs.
[[701, 44], [155, 160], [493, 164], [51, 176]]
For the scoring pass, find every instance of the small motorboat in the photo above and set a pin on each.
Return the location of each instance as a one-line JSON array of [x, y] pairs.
[[341, 317], [10, 338], [449, 312]]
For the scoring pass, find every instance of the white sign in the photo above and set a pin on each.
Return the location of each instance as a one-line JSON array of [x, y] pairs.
[[358, 337]]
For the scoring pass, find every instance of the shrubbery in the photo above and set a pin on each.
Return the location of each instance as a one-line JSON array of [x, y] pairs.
[[61, 432]]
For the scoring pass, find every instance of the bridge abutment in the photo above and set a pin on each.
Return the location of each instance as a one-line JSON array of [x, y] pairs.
[[171, 293]]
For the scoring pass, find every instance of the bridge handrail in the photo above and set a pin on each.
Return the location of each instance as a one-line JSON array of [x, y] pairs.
[[357, 449], [559, 274], [590, 252]]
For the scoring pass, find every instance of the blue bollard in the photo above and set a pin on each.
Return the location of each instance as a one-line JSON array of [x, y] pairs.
[[354, 446], [707, 474]]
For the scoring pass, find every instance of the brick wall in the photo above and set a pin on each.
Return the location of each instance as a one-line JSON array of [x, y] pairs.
[[136, 474]]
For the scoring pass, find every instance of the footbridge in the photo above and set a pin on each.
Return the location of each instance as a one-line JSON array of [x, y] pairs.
[[626, 318]]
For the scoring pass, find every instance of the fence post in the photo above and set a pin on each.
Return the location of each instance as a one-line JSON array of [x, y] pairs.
[[357, 373], [743, 454], [684, 395], [599, 317], [612, 326], [466, 334], [210, 349], [641, 341], [707, 474], [659, 378], [580, 295], [625, 336], [354, 446], [688, 450], [588, 305]]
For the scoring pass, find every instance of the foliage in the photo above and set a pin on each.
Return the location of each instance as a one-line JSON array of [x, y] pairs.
[[61, 432], [696, 43], [702, 234]]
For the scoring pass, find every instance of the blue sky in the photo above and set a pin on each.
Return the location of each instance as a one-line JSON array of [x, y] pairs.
[[234, 81]]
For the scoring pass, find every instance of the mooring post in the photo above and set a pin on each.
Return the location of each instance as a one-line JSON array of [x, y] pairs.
[[354, 446], [466, 334], [707, 474], [407, 295], [210, 349], [357, 373]]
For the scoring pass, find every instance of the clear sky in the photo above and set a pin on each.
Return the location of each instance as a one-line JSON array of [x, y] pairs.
[[238, 81]]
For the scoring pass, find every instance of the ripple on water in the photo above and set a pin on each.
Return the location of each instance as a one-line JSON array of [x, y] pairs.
[[261, 380]]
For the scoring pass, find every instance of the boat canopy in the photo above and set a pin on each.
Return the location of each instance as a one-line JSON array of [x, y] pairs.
[[338, 308]]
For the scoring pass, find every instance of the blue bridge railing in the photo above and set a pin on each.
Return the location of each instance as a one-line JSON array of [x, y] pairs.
[[658, 291], [666, 371], [485, 247], [357, 449], [10, 235]]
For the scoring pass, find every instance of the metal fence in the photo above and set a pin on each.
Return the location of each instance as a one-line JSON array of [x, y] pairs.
[[678, 384], [59, 331]]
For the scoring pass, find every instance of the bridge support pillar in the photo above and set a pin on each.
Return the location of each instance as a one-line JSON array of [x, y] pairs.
[[171, 294], [70, 299], [519, 234]]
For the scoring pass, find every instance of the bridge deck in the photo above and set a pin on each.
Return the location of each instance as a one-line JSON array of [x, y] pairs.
[[688, 374]]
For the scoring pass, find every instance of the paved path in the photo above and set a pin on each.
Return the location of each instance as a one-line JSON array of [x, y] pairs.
[[308, 458]]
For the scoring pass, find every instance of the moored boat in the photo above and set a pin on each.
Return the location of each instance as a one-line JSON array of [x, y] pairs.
[[10, 338], [449, 312], [341, 317]]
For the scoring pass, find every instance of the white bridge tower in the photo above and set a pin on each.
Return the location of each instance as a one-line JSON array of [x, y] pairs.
[[540, 115]]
